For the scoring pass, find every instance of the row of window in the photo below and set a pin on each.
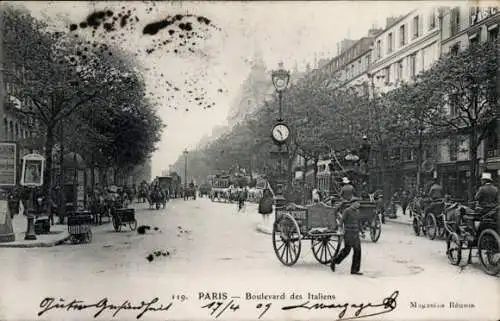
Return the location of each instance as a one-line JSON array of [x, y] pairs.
[[478, 14], [417, 30], [408, 67], [13, 131], [356, 68]]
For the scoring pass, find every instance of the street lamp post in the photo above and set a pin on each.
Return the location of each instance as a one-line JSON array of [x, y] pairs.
[[280, 79], [185, 167]]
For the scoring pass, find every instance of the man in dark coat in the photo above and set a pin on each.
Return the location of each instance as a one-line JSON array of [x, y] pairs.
[[436, 196], [350, 219], [436, 190], [487, 194]]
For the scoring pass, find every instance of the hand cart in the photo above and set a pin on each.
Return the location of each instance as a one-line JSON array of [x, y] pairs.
[[124, 216], [79, 227]]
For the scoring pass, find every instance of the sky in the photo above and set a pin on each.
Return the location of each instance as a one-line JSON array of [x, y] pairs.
[[292, 32]]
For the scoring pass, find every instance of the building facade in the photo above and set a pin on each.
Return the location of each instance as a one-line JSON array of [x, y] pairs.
[[13, 124], [408, 46], [464, 26]]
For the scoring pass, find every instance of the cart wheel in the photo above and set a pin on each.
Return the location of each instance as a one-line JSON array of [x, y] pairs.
[[325, 248], [489, 251], [416, 226], [88, 237], [375, 228], [133, 225], [117, 224], [430, 226], [286, 240], [454, 248]]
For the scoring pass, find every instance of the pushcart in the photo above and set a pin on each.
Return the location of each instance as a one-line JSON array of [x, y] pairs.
[[79, 227], [124, 216], [294, 223]]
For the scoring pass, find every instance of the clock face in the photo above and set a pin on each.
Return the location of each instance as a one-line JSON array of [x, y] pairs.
[[281, 132], [280, 83]]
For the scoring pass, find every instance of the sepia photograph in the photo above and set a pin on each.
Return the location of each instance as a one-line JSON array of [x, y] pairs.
[[250, 160]]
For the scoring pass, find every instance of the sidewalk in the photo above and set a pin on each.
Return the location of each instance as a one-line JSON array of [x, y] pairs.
[[58, 234]]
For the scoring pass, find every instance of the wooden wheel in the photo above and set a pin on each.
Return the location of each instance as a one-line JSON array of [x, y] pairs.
[[117, 224], [431, 227], [454, 248], [489, 251], [416, 226], [375, 228], [286, 240], [133, 225], [325, 248]]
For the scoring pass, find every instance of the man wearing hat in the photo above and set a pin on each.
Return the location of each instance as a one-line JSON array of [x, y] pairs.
[[347, 191], [436, 198], [350, 218], [487, 194]]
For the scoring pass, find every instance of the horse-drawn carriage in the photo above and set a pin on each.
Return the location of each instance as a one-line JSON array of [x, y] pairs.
[[189, 192], [468, 229], [318, 223], [220, 188], [205, 189]]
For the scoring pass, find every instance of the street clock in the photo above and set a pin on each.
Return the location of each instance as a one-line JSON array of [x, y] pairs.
[[280, 133]]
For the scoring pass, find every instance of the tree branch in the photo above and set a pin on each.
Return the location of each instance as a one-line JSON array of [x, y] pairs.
[[38, 105], [69, 111]]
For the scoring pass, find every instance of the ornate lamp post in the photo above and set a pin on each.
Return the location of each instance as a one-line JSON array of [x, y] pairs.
[[185, 167], [280, 131]]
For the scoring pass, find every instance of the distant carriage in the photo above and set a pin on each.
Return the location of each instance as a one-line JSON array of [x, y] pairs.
[[220, 187], [190, 192]]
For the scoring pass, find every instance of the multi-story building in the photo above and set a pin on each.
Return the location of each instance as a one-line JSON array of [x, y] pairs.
[[408, 46], [255, 89], [464, 26], [13, 124], [348, 69]]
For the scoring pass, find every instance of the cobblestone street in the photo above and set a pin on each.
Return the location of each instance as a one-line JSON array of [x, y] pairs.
[[212, 247]]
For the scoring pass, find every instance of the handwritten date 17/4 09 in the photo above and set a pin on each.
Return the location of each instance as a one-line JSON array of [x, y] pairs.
[[219, 307]]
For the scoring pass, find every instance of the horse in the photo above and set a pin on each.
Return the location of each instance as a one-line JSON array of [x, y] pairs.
[[157, 197]]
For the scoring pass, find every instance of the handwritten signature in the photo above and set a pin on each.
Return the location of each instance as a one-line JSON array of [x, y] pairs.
[[50, 303], [387, 305]]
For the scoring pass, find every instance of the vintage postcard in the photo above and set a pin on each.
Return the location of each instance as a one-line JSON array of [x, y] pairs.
[[253, 160]]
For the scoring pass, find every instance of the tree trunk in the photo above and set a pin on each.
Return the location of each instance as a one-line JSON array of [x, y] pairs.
[[304, 172], [49, 146], [473, 146], [419, 160], [383, 172]]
